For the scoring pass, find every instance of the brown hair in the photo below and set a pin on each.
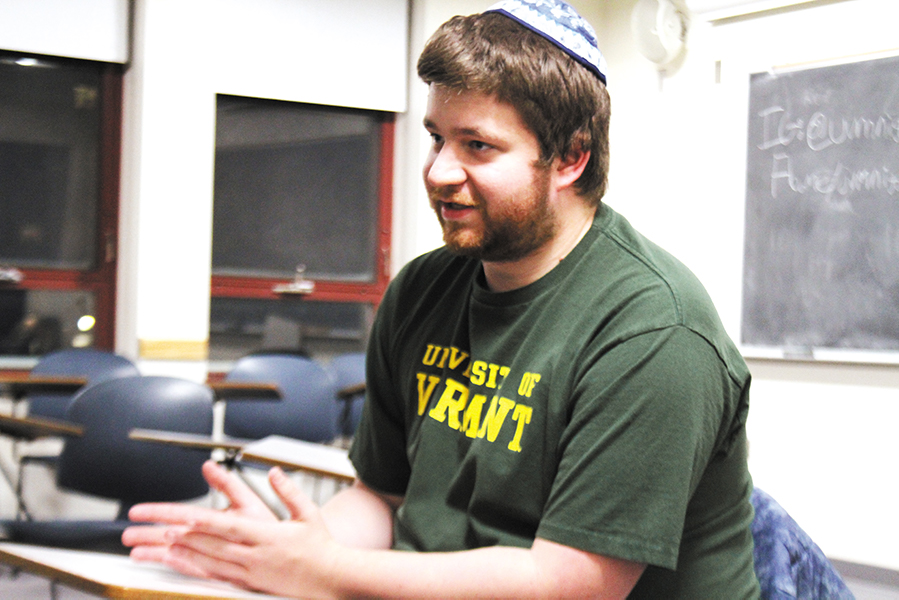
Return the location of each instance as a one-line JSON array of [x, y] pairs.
[[565, 105]]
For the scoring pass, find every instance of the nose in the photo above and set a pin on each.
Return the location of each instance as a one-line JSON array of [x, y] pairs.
[[443, 168]]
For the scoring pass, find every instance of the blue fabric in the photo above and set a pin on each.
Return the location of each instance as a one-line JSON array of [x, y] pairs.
[[787, 562], [558, 22]]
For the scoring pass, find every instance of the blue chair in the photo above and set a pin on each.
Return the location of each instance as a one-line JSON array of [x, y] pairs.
[[105, 463], [788, 564], [91, 364], [307, 410], [349, 375], [94, 365]]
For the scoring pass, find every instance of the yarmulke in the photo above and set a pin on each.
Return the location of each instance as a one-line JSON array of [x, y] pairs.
[[558, 22]]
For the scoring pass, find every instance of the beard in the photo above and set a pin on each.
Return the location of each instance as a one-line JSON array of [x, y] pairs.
[[508, 235]]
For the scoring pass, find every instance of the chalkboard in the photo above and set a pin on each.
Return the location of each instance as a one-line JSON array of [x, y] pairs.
[[821, 249]]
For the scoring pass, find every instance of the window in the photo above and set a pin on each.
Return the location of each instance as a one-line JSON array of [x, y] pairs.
[[301, 226], [60, 129]]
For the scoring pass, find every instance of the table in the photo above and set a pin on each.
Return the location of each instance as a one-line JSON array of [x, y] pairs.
[[288, 453], [244, 390], [274, 450], [20, 386], [32, 428], [116, 576]]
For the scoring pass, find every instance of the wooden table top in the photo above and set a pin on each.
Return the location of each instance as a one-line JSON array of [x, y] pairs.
[[21, 385], [32, 428]]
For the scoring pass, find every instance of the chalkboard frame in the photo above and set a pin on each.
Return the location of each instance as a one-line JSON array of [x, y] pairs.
[[821, 239]]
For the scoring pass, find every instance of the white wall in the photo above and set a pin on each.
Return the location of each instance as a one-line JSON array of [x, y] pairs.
[[343, 52], [91, 29]]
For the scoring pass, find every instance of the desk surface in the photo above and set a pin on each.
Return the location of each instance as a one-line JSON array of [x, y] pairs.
[[188, 440], [20, 385], [273, 450], [32, 428], [244, 390], [276, 450], [115, 576]]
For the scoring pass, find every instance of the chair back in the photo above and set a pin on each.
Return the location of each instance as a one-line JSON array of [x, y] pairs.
[[94, 365], [105, 462], [349, 370], [306, 411], [788, 563]]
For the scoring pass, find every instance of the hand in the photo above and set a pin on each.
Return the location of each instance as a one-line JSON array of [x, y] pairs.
[[193, 539], [149, 541], [281, 557]]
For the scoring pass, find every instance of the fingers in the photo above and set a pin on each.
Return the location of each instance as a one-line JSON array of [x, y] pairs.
[[229, 484], [146, 535], [299, 505], [169, 513]]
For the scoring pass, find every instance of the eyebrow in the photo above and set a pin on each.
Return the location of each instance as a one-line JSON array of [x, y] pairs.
[[467, 131]]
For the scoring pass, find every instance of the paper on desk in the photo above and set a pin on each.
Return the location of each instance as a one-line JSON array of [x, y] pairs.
[[119, 577], [308, 456]]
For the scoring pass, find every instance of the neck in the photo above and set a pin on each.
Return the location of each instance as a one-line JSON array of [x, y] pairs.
[[511, 275]]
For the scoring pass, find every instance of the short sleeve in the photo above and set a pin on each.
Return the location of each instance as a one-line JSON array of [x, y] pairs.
[[645, 417], [378, 452]]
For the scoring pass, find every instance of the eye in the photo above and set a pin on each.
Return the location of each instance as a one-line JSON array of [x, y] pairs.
[[478, 145], [436, 139]]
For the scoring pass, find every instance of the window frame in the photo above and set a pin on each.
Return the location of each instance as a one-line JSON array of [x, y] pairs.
[[229, 286], [101, 279]]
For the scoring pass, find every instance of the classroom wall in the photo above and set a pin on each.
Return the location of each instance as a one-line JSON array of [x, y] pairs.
[[184, 52], [822, 435]]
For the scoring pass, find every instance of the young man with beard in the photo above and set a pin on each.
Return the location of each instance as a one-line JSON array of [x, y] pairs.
[[554, 409]]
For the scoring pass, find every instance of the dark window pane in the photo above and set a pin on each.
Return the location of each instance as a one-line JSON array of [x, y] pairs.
[[49, 141], [34, 322], [240, 326], [295, 184]]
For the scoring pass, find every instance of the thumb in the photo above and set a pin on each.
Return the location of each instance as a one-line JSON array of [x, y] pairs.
[[300, 506]]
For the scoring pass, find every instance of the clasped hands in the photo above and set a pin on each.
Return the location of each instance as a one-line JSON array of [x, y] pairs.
[[244, 544]]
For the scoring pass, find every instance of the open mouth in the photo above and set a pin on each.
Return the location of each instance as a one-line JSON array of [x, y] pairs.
[[455, 206]]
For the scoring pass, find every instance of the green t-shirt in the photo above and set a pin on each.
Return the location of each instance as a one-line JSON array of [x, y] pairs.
[[602, 407]]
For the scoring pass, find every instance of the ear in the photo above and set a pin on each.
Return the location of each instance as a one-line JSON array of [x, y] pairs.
[[570, 167]]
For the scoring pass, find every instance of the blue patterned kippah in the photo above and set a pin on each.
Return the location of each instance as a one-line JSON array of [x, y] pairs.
[[558, 22]]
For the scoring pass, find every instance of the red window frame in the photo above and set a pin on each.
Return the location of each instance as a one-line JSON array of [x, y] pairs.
[[335, 291], [101, 279]]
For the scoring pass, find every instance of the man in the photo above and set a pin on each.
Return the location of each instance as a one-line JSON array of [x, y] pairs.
[[553, 409]]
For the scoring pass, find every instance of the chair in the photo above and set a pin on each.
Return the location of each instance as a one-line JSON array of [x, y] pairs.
[[94, 365], [307, 410], [91, 364], [349, 375], [788, 564], [104, 462]]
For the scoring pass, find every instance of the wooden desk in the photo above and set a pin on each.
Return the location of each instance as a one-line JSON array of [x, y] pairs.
[[189, 440], [20, 386], [244, 390], [291, 454], [274, 450], [32, 428], [349, 391], [115, 576]]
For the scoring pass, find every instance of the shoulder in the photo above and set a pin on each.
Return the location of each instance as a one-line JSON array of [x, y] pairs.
[[657, 289], [424, 281]]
